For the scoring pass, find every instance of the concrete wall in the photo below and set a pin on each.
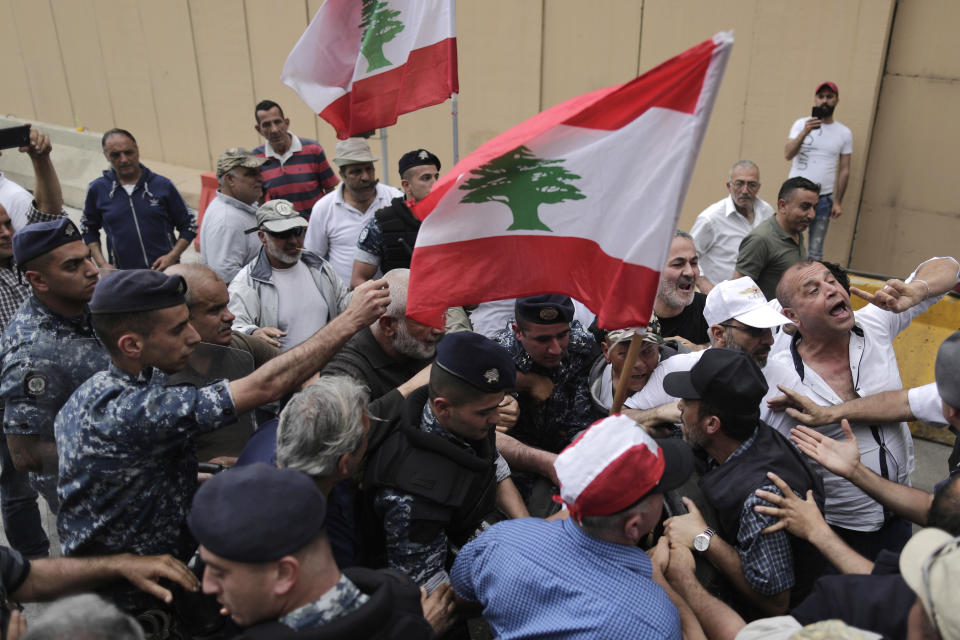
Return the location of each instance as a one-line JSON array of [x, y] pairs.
[[183, 75], [909, 211]]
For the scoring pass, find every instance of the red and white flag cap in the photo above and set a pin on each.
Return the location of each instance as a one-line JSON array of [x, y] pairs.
[[614, 464]]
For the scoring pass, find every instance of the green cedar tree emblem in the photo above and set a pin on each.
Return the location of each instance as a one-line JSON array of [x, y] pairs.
[[523, 182], [379, 27]]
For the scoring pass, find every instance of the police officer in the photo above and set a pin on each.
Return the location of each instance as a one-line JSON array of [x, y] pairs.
[[269, 563], [48, 348], [387, 241], [127, 466], [438, 474]]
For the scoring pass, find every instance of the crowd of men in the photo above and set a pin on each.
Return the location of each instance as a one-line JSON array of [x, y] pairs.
[[264, 445]]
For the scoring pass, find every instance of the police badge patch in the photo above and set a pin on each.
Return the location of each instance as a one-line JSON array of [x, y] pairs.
[[492, 376], [364, 234], [35, 385], [549, 314]]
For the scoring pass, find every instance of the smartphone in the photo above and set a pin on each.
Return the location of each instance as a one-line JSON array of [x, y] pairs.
[[817, 112], [15, 137]]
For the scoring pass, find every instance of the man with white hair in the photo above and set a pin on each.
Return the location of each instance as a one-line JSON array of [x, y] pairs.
[[391, 350]]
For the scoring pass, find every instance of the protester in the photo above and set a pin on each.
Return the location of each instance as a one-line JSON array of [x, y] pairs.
[[678, 305], [138, 209]]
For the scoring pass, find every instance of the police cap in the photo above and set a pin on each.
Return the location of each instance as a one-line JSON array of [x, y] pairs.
[[133, 290], [477, 360], [549, 308], [42, 237], [416, 158], [257, 513]]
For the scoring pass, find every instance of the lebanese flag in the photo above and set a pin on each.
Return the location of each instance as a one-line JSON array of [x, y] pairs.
[[361, 63], [582, 199]]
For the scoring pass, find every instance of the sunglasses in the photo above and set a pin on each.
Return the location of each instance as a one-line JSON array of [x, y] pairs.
[[753, 332], [296, 232]]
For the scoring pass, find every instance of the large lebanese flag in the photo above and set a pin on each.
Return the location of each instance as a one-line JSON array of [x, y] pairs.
[[361, 63], [582, 199]]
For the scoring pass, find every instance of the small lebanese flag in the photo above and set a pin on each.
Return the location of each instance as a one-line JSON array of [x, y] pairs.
[[582, 199], [361, 63]]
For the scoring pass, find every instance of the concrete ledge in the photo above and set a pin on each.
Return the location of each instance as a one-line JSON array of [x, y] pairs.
[[78, 160]]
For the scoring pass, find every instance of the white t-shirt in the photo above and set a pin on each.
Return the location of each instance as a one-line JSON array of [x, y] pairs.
[[819, 152], [16, 200], [302, 310]]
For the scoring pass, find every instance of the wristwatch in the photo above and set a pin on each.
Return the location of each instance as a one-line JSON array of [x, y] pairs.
[[702, 542]]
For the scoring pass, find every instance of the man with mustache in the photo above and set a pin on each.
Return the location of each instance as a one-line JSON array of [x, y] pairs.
[[721, 226], [678, 306], [286, 294], [338, 217], [770, 249], [820, 149], [295, 169]]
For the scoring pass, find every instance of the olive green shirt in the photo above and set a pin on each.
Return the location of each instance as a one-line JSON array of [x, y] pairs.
[[768, 251]]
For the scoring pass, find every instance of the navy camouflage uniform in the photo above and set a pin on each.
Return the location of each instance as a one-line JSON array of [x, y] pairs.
[[551, 425], [370, 243], [45, 357], [343, 598], [419, 561], [128, 469]]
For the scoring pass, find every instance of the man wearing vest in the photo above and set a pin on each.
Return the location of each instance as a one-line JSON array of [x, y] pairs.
[[438, 473], [387, 240], [720, 398]]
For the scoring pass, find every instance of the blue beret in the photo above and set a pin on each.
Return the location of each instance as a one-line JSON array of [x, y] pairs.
[[416, 158], [133, 290], [257, 513], [477, 360], [549, 308], [42, 237]]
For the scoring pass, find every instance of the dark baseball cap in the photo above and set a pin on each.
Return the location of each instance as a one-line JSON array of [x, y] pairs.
[[725, 378]]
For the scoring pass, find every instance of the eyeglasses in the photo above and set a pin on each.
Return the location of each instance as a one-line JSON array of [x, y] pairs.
[[753, 332], [740, 184], [296, 232], [947, 547]]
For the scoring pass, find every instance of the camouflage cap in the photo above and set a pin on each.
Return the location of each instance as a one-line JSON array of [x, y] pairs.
[[652, 334], [278, 216], [237, 157]]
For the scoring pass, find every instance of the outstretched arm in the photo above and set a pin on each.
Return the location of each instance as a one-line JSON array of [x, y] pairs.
[[888, 406], [934, 278], [842, 457]]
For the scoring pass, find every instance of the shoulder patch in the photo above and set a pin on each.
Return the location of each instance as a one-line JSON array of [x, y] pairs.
[[35, 384], [364, 234]]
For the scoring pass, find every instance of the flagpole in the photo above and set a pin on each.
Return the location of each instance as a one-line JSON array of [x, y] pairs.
[[632, 353], [456, 128], [385, 162]]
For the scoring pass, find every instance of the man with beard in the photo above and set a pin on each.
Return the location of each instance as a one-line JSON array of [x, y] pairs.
[[678, 306], [721, 227], [820, 149], [840, 357], [286, 294], [770, 249], [720, 408], [127, 465], [391, 350], [49, 347], [338, 217]]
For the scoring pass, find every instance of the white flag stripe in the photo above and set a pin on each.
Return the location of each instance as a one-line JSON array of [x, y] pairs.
[[628, 176]]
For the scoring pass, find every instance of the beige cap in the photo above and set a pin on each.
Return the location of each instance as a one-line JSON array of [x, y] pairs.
[[237, 157], [353, 151], [278, 216], [930, 564]]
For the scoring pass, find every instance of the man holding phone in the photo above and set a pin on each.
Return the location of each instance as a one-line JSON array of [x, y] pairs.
[[820, 149]]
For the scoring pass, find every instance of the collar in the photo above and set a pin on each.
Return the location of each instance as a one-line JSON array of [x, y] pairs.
[[295, 147], [149, 375], [798, 360], [729, 208], [81, 322], [632, 558], [340, 599], [233, 202]]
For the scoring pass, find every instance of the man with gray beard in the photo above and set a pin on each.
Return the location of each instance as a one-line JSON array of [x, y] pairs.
[[678, 306], [285, 294], [391, 350]]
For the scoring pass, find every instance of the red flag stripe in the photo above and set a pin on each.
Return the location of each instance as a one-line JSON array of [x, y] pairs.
[[526, 266], [665, 86], [427, 78]]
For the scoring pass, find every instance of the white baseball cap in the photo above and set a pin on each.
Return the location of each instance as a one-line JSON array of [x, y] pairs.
[[742, 300]]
